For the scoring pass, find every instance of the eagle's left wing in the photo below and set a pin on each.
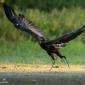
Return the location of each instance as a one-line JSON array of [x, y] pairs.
[[67, 37]]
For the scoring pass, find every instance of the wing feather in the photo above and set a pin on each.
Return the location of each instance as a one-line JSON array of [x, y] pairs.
[[68, 37], [9, 12], [20, 22]]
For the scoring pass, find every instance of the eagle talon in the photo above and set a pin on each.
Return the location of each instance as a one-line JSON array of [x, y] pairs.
[[63, 61], [53, 62]]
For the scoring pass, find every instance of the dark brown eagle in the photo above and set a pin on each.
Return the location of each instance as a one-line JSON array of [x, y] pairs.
[[50, 46]]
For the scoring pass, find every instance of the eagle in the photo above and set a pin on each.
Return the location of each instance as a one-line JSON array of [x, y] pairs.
[[50, 46]]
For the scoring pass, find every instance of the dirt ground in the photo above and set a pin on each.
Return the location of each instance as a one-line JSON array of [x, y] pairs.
[[40, 68], [23, 74]]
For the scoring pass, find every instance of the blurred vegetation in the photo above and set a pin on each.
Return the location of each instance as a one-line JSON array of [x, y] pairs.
[[53, 24], [47, 4], [54, 17], [27, 52]]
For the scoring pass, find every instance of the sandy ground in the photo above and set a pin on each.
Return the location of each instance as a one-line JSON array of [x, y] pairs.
[[40, 68], [21, 74]]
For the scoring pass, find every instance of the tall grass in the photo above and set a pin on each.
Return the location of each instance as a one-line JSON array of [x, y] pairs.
[[47, 5], [55, 18], [53, 23], [28, 52]]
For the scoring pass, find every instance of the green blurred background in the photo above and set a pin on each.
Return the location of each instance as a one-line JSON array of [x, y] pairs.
[[55, 18]]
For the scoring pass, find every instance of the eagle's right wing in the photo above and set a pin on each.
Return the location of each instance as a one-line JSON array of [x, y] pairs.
[[23, 24], [9, 12]]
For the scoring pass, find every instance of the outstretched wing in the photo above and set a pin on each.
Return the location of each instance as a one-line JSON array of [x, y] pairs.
[[20, 22], [68, 37], [9, 12]]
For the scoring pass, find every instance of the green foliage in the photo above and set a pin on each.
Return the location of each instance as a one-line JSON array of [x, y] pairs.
[[55, 18], [28, 52], [53, 23], [48, 4]]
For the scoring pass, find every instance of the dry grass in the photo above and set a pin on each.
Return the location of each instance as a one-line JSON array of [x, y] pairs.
[[39, 68]]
